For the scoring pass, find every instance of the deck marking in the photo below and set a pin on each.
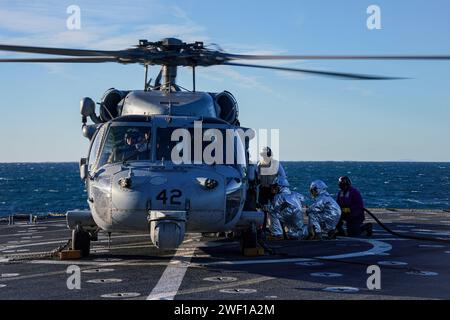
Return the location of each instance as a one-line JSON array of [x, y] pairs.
[[444, 234], [422, 273], [326, 274], [120, 295], [391, 239], [98, 270], [239, 262], [9, 275], [341, 289], [220, 279], [36, 244], [219, 286], [309, 263], [170, 281], [238, 291], [392, 263], [36, 275], [137, 263], [108, 260], [431, 246], [108, 280], [32, 233], [57, 241], [52, 273], [378, 248]]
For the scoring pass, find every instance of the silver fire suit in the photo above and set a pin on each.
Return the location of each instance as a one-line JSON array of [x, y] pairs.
[[271, 172], [286, 208], [324, 213]]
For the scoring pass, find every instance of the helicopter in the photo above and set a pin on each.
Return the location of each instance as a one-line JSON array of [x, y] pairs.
[[139, 178]]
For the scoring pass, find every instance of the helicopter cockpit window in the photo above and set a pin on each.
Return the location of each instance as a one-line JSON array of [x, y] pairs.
[[95, 148], [126, 143]]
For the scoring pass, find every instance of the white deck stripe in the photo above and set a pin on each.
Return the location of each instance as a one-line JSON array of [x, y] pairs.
[[378, 247], [170, 281]]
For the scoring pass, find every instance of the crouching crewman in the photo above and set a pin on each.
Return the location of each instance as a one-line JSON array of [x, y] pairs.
[[324, 213], [286, 211]]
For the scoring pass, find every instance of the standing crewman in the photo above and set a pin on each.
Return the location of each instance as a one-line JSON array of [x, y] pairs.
[[352, 207], [323, 214], [269, 170]]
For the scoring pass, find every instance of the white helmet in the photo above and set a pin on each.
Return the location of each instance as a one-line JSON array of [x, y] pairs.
[[266, 152]]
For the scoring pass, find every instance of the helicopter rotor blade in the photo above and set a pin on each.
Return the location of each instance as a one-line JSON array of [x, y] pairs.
[[63, 60], [335, 57], [174, 52], [59, 51], [342, 75]]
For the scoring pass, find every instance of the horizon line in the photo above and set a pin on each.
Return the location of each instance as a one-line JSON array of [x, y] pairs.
[[360, 161]]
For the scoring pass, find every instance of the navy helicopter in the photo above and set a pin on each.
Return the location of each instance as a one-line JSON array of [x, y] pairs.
[[134, 178]]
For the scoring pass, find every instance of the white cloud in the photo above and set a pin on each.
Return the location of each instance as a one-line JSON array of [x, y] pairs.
[[28, 22], [44, 24]]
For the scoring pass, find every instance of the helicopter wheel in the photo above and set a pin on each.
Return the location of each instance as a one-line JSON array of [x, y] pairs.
[[81, 240], [249, 238]]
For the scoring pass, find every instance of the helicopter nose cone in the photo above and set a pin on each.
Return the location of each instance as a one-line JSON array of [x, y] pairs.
[[210, 198]]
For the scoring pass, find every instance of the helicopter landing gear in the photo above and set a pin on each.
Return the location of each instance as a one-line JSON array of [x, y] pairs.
[[81, 240], [249, 242]]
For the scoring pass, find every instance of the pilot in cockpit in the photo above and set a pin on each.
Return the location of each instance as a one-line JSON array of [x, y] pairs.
[[144, 144], [136, 147]]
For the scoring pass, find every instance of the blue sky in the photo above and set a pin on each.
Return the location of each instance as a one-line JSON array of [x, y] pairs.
[[318, 118]]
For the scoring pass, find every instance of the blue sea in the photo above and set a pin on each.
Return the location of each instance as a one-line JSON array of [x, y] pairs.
[[43, 188]]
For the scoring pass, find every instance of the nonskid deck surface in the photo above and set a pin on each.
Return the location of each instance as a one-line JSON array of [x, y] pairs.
[[209, 268]]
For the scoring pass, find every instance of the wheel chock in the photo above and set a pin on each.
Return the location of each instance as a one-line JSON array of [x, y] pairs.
[[69, 254], [253, 252]]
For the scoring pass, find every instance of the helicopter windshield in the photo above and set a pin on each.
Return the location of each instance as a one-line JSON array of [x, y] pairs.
[[126, 143], [215, 146]]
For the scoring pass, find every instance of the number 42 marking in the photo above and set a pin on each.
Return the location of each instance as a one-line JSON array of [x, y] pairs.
[[174, 194]]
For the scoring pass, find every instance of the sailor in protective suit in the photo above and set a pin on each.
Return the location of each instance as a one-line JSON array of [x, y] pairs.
[[269, 170], [287, 210], [324, 213]]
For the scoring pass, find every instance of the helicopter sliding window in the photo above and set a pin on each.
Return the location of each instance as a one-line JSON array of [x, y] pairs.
[[210, 154], [126, 143], [95, 148]]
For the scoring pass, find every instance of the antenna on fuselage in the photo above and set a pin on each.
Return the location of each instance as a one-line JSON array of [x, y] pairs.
[[146, 82], [193, 78]]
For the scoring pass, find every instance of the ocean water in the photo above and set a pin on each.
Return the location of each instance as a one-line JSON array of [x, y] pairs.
[[42, 188]]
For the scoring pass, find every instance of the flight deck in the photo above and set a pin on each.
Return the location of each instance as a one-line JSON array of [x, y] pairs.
[[130, 267]]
